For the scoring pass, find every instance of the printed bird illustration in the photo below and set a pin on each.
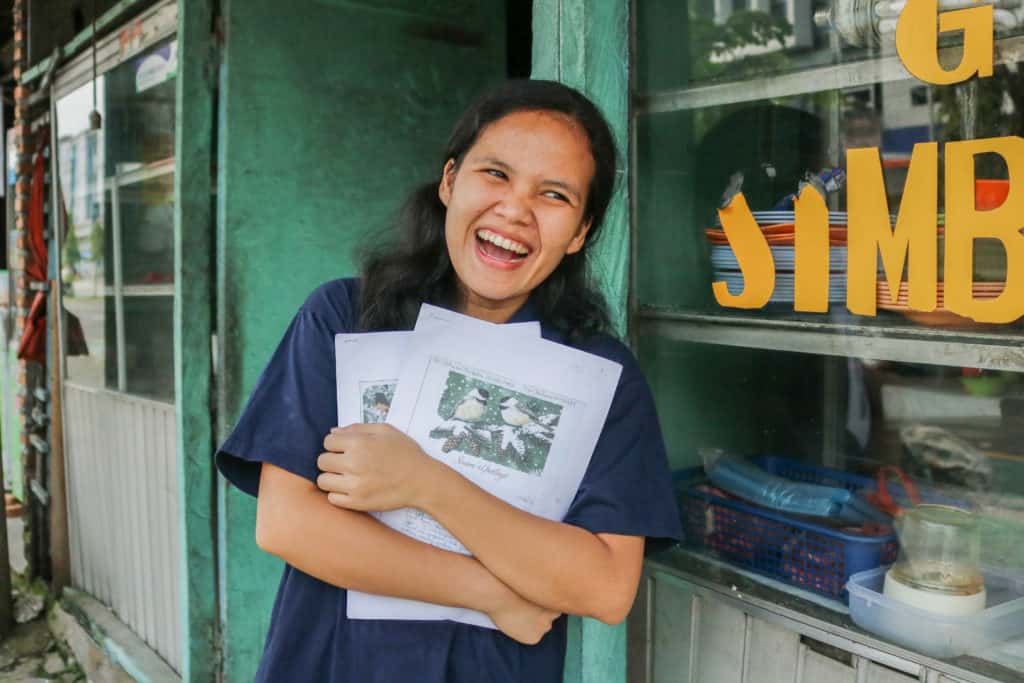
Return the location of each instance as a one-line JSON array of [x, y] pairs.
[[517, 415], [471, 408]]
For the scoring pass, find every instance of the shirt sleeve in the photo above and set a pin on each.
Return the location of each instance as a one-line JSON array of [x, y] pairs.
[[627, 488], [291, 409]]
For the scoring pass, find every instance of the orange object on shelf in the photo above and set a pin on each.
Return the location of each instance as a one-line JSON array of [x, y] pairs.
[[883, 500], [990, 194], [940, 317], [777, 235]]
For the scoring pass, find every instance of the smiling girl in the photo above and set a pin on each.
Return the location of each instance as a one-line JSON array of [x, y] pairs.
[[502, 236]]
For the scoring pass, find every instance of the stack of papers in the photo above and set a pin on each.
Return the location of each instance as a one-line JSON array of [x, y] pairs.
[[515, 414]]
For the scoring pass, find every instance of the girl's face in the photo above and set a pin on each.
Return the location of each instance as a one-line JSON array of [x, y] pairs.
[[515, 208]]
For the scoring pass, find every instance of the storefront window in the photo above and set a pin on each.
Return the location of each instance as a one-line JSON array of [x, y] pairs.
[[118, 255], [755, 102]]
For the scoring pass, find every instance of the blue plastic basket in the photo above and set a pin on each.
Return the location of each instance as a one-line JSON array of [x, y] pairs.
[[799, 552]]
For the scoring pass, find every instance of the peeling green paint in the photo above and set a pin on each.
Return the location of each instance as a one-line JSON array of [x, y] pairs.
[[193, 325], [585, 44]]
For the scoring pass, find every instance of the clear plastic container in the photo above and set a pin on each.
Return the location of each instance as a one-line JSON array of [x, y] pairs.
[[940, 551], [937, 635]]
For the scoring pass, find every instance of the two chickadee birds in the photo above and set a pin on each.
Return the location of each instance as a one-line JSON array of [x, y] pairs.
[[471, 409]]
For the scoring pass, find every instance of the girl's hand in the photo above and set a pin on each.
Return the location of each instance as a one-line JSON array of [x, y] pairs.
[[520, 619], [373, 468]]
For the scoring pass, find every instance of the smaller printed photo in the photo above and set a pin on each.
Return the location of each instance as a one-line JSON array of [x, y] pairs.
[[496, 424], [376, 400]]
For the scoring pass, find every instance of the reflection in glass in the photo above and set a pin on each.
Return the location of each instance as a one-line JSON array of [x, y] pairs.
[[702, 42], [149, 345], [689, 161], [118, 257]]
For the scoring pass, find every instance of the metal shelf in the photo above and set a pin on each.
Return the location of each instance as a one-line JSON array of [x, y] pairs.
[[149, 290], [163, 289], [875, 342], [142, 172], [833, 77]]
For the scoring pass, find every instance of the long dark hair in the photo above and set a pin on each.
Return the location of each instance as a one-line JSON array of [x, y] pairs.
[[416, 268]]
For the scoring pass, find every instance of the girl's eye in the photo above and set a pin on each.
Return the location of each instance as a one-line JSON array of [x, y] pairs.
[[495, 172], [557, 195]]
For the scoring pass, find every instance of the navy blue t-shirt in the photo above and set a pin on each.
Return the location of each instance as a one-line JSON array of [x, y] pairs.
[[626, 490]]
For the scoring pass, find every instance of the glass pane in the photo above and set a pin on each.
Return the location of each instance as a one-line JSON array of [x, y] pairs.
[[149, 345], [130, 159], [763, 98], [956, 433], [87, 259], [689, 160], [147, 233], [705, 42]]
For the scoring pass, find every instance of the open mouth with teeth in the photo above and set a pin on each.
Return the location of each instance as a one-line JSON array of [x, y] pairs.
[[500, 248]]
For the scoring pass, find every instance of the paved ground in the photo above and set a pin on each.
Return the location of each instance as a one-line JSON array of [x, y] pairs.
[[29, 654]]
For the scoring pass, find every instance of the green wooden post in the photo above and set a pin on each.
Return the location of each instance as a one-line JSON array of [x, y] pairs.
[[585, 44], [193, 277]]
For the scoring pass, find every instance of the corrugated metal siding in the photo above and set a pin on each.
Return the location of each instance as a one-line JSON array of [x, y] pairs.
[[123, 508], [682, 633]]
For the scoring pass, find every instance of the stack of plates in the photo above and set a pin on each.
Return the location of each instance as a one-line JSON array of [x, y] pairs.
[[723, 258], [780, 232], [783, 292], [773, 217], [940, 317]]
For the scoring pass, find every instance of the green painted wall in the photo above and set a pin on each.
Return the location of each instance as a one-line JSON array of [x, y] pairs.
[[585, 44], [330, 111], [193, 325]]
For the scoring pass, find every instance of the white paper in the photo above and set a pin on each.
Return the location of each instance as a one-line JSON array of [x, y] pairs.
[[367, 367], [435, 317], [532, 453], [367, 364]]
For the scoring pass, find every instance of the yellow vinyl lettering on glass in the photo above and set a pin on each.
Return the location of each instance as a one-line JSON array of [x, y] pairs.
[[870, 234], [917, 40], [965, 223], [754, 256], [812, 255]]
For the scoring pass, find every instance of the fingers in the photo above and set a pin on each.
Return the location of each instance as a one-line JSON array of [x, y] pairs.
[[340, 439], [360, 428], [331, 462], [340, 500], [343, 500], [332, 483]]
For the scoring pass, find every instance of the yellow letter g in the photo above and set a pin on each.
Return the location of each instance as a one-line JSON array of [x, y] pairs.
[[917, 41]]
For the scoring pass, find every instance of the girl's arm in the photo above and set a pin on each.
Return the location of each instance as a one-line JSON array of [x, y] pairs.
[[348, 549], [560, 566]]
